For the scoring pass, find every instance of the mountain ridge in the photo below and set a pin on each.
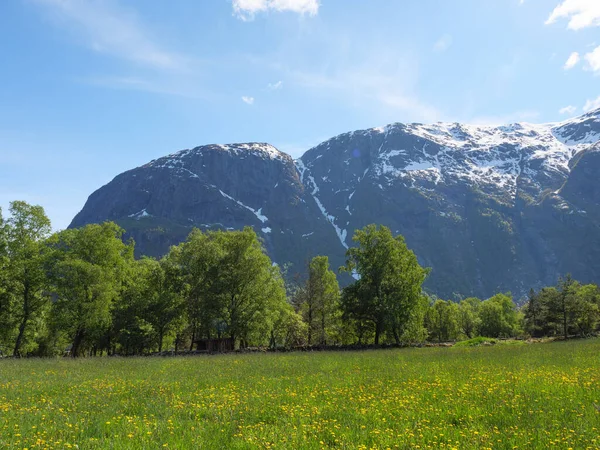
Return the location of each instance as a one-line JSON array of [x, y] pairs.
[[481, 205]]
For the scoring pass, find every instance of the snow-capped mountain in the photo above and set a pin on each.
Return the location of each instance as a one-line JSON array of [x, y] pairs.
[[488, 208]]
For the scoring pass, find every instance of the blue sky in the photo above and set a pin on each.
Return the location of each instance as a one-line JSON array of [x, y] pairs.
[[91, 88]]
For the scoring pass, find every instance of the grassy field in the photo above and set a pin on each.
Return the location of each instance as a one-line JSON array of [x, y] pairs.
[[503, 396]]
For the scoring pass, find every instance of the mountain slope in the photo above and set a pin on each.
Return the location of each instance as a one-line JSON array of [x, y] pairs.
[[214, 187], [488, 208]]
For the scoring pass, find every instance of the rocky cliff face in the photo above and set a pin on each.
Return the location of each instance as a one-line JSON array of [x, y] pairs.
[[487, 208], [215, 187]]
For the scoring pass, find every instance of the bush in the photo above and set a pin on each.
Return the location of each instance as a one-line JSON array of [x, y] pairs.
[[476, 342]]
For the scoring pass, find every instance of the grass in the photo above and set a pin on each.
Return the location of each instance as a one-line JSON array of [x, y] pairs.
[[505, 397]]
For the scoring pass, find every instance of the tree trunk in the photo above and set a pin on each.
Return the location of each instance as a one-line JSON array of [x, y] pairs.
[[396, 336], [310, 324], [193, 337], [160, 341], [23, 325], [377, 332], [272, 343], [17, 349], [565, 323], [76, 347]]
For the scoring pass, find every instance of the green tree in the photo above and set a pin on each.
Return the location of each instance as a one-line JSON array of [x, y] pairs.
[[415, 330], [287, 329], [25, 279], [498, 317], [198, 262], [389, 281], [164, 288], [131, 333], [587, 309], [534, 314], [563, 307], [442, 321], [87, 276], [468, 316], [246, 283], [318, 299], [537, 312]]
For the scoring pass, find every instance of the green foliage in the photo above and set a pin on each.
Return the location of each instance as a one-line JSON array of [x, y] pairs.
[[87, 275], [81, 291], [498, 317], [442, 321], [232, 287], [317, 300], [24, 279], [247, 285], [389, 284], [415, 330], [468, 316], [476, 342], [567, 309]]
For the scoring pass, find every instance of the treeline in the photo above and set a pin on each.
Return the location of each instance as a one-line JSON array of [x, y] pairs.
[[82, 292]]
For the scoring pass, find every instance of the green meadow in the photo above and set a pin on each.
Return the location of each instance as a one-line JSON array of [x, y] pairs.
[[497, 397]]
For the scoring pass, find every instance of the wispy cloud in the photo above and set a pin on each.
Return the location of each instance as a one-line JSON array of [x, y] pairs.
[[367, 74], [443, 43], [570, 110], [275, 86], [108, 28], [572, 61], [369, 86], [593, 60], [248, 100], [179, 86], [247, 9], [581, 13], [592, 104]]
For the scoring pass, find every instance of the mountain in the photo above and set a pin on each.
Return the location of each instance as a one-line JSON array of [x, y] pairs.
[[214, 187], [489, 209]]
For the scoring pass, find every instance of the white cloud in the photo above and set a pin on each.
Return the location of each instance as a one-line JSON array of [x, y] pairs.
[[247, 9], [275, 86], [113, 30], [248, 100], [593, 60], [443, 43], [571, 61], [581, 13], [592, 104], [570, 110]]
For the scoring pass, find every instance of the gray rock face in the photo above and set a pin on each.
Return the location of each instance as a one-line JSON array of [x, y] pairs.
[[489, 209], [216, 187]]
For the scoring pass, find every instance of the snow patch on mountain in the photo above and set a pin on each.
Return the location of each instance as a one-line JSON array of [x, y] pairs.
[[177, 161], [257, 213], [302, 170], [479, 155], [139, 215]]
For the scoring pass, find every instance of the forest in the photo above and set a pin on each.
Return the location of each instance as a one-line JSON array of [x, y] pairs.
[[81, 292]]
